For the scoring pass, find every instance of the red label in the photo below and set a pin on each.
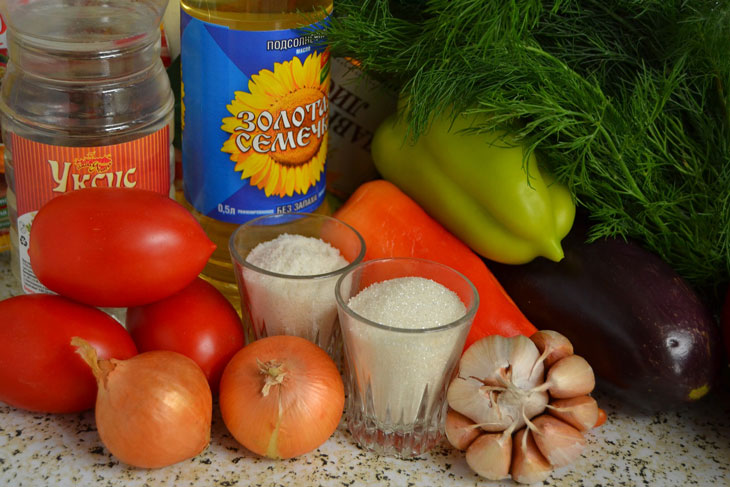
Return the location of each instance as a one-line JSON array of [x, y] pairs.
[[44, 171]]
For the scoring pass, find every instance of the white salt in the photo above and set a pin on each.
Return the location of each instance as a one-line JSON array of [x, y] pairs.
[[404, 371], [294, 306]]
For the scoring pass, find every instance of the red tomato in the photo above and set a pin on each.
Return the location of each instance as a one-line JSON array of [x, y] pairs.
[[39, 368], [115, 247], [197, 322]]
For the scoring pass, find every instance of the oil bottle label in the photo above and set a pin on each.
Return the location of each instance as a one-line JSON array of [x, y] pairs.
[[254, 119], [43, 172]]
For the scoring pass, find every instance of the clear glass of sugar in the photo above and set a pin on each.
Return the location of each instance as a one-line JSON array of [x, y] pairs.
[[286, 267], [404, 322]]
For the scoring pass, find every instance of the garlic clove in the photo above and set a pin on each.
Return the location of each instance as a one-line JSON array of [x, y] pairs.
[[528, 464], [526, 370], [477, 402], [552, 346], [560, 443], [460, 430], [580, 412], [490, 455], [570, 377]]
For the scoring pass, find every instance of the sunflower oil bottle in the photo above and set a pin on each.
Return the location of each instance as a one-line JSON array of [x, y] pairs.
[[255, 85]]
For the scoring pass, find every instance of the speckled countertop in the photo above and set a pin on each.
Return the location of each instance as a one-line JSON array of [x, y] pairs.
[[689, 447]]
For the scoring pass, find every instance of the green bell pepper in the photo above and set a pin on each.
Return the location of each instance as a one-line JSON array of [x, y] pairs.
[[476, 186]]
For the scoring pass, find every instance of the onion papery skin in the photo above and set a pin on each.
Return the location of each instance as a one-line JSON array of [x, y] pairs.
[[154, 409], [297, 415]]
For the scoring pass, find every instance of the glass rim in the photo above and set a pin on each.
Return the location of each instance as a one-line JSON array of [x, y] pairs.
[[471, 310], [244, 263]]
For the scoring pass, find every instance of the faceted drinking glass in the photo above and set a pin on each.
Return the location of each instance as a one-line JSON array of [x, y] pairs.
[[275, 303], [396, 377]]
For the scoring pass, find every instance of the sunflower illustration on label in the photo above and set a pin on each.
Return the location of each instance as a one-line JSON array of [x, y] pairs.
[[278, 128], [255, 112]]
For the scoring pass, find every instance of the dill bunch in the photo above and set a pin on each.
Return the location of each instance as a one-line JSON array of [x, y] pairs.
[[624, 100]]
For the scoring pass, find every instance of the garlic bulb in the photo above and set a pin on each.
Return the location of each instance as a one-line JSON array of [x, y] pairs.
[[503, 386]]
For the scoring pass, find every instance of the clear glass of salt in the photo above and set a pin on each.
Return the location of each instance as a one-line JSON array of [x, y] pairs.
[[286, 267], [404, 322]]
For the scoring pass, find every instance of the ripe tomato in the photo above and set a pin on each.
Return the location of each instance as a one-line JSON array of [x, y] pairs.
[[116, 247], [39, 368], [197, 322]]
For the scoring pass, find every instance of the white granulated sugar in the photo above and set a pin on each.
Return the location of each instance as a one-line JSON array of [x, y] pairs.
[[408, 302], [399, 368], [296, 255], [290, 306]]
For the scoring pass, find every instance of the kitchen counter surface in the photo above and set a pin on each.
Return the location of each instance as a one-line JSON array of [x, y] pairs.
[[686, 447]]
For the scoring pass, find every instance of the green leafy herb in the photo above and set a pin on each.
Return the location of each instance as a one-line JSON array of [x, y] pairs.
[[625, 101]]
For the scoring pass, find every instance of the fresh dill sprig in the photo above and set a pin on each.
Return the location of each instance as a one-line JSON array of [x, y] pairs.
[[625, 101]]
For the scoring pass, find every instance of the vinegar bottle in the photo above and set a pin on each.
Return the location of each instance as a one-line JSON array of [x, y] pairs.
[[255, 85], [85, 102]]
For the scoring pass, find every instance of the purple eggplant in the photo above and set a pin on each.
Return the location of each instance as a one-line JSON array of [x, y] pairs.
[[647, 334]]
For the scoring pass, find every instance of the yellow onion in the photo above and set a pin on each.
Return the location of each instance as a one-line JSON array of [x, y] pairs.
[[281, 396], [153, 409]]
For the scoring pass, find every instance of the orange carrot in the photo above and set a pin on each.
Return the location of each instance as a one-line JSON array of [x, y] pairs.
[[393, 225]]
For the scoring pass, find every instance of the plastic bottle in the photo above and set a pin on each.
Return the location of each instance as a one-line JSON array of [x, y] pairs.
[[255, 112], [85, 102]]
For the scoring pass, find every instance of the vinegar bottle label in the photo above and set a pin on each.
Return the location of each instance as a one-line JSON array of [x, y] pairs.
[[254, 119], [43, 171]]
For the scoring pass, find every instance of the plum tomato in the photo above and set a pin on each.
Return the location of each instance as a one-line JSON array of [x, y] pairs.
[[39, 368], [197, 322], [116, 247]]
